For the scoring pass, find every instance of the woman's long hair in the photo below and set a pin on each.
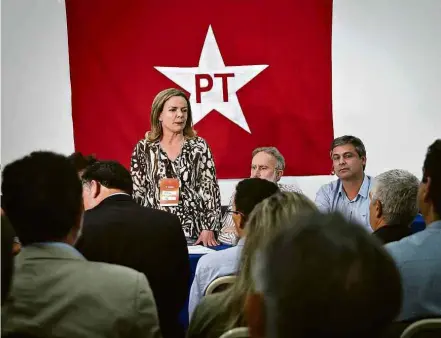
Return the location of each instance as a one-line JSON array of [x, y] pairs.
[[265, 221], [155, 133]]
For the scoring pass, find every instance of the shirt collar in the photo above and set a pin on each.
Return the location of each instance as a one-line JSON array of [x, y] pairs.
[[116, 193], [61, 245], [364, 189]]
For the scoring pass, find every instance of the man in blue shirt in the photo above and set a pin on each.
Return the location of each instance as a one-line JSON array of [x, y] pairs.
[[418, 257], [249, 192], [350, 193]]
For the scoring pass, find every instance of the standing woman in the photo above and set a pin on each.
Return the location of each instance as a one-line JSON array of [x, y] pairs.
[[173, 169]]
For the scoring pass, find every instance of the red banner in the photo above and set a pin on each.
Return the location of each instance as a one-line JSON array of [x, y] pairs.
[[258, 73]]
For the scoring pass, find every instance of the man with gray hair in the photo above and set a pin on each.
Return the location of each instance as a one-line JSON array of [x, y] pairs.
[[267, 163], [393, 205]]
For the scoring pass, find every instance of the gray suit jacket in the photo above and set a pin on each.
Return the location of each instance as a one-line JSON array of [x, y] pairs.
[[57, 292]]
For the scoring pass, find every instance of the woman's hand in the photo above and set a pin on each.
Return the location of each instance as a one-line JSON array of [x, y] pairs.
[[207, 238]]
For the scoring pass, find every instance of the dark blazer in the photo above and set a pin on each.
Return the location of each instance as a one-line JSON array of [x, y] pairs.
[[392, 233], [120, 231]]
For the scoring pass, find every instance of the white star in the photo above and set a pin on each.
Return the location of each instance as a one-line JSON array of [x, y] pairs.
[[206, 83]]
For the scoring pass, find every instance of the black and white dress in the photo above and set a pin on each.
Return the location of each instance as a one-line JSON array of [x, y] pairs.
[[199, 205]]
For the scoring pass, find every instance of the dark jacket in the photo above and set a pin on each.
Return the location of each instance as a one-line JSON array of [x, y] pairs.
[[392, 233], [120, 231]]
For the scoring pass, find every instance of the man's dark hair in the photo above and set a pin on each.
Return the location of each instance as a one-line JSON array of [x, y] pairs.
[[42, 196], [110, 174], [432, 169], [349, 139], [252, 191], [323, 276], [7, 256], [81, 162]]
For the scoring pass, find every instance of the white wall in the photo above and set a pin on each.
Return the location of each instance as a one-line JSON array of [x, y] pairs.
[[386, 87], [36, 111]]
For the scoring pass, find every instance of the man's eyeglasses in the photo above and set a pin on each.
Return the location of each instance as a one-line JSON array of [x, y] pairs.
[[231, 211]]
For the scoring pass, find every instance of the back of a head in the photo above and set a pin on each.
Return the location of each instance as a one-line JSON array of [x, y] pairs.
[[7, 256], [42, 196], [397, 191], [271, 215], [81, 162], [251, 191], [326, 277], [265, 221], [110, 174], [432, 170]]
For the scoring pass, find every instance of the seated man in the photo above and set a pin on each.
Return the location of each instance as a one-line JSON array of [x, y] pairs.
[[393, 205], [249, 193], [350, 193], [118, 230], [267, 163], [418, 257], [323, 276], [55, 290]]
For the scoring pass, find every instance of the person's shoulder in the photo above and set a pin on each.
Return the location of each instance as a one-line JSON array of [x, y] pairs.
[[145, 144], [212, 302], [117, 276], [198, 142], [207, 320], [142, 142], [160, 216], [114, 285], [408, 247], [329, 187], [213, 260]]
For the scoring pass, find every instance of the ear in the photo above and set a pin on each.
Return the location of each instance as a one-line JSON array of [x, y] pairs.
[[95, 188], [378, 209], [255, 314], [279, 174], [364, 159], [243, 220], [426, 190]]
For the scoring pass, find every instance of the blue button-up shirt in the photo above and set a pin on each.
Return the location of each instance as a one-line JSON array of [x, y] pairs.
[[211, 266], [332, 197], [418, 258]]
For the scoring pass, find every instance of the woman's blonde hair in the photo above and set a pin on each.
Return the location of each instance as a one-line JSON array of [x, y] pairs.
[[265, 221], [155, 133]]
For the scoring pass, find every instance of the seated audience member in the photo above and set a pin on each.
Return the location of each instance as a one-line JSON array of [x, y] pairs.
[[55, 290], [418, 257], [393, 205], [249, 193], [350, 193], [220, 312], [7, 256], [323, 276], [81, 162], [267, 163], [117, 230]]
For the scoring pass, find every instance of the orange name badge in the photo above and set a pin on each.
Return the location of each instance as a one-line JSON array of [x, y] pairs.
[[169, 192]]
